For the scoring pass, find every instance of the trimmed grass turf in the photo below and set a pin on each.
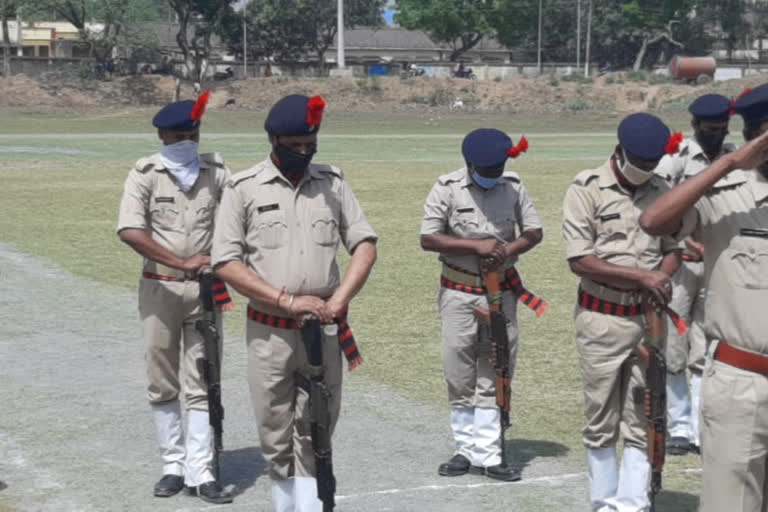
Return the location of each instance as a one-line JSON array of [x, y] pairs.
[[62, 175]]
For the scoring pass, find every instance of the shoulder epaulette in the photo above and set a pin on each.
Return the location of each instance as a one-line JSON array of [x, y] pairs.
[[731, 180], [585, 177], [451, 177], [144, 165], [214, 159], [329, 169], [244, 175], [511, 176]]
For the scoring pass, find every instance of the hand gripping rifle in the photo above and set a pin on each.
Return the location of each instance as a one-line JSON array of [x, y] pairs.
[[320, 415], [210, 366], [654, 395], [493, 317]]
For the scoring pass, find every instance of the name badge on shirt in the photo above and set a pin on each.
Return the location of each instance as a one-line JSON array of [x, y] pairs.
[[165, 200], [465, 210], [759, 233], [268, 207], [611, 216]]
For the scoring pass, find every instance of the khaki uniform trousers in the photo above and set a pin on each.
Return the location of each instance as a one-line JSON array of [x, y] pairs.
[[469, 372], [688, 296], [275, 356], [610, 371], [734, 439], [168, 313]]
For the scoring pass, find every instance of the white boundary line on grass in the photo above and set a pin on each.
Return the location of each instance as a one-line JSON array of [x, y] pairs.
[[534, 480]]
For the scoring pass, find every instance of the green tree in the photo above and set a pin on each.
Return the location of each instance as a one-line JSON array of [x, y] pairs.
[[460, 23], [8, 9], [198, 21]]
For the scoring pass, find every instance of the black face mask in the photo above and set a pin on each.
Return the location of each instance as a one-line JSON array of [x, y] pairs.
[[711, 142], [292, 161]]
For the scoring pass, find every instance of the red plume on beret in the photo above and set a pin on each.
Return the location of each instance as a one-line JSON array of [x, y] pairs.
[[199, 107], [521, 147], [673, 143], [315, 108], [731, 110], [746, 91]]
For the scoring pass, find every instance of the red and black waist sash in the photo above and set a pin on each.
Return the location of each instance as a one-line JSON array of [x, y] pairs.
[[512, 282], [599, 305], [346, 337], [221, 295]]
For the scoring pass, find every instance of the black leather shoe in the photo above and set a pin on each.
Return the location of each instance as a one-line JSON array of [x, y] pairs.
[[503, 472], [457, 466], [169, 485], [678, 446], [210, 492]]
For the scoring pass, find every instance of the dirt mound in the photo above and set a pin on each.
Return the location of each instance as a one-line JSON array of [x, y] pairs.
[[615, 92]]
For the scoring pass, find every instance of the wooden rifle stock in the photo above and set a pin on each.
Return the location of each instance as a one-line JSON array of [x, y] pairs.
[[655, 396]]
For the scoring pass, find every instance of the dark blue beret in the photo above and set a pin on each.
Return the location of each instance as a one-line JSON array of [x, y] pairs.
[[295, 115], [176, 117], [711, 107], [486, 148], [753, 106], [643, 136]]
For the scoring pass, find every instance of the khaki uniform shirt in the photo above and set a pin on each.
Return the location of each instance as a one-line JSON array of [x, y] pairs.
[[688, 162], [181, 222], [600, 218], [732, 222], [289, 237], [458, 207]]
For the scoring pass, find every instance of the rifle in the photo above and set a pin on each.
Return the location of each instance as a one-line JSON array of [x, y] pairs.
[[493, 317], [210, 366], [654, 395], [320, 416]]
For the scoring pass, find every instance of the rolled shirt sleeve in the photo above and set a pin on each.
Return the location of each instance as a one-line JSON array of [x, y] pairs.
[[229, 231], [435, 211], [578, 222], [354, 228], [134, 205], [527, 215]]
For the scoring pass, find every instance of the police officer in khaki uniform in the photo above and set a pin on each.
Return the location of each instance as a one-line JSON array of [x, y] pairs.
[[166, 215], [277, 234], [617, 263], [711, 114], [478, 216], [730, 217]]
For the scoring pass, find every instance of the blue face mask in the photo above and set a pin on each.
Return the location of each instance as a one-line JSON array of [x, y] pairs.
[[483, 182]]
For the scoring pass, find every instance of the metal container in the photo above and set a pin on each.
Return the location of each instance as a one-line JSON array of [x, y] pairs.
[[700, 69]]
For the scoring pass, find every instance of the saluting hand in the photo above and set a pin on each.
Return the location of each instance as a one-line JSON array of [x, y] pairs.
[[194, 264], [658, 284], [752, 155]]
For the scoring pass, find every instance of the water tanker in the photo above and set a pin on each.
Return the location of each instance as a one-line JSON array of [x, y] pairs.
[[692, 69]]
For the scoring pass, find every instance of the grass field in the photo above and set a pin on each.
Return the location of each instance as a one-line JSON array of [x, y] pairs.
[[62, 174]]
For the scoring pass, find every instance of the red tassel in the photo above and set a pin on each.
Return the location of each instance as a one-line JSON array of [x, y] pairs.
[[673, 143], [521, 147], [354, 363], [315, 108], [680, 323], [199, 108], [732, 110]]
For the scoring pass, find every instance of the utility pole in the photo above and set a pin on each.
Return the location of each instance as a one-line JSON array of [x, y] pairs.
[[245, 46], [589, 38], [19, 35], [578, 34], [538, 58], [340, 34]]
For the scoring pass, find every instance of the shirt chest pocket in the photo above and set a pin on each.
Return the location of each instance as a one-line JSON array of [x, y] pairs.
[[502, 224], [748, 261], [165, 213], [324, 227], [205, 209], [612, 228], [464, 221], [271, 229]]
